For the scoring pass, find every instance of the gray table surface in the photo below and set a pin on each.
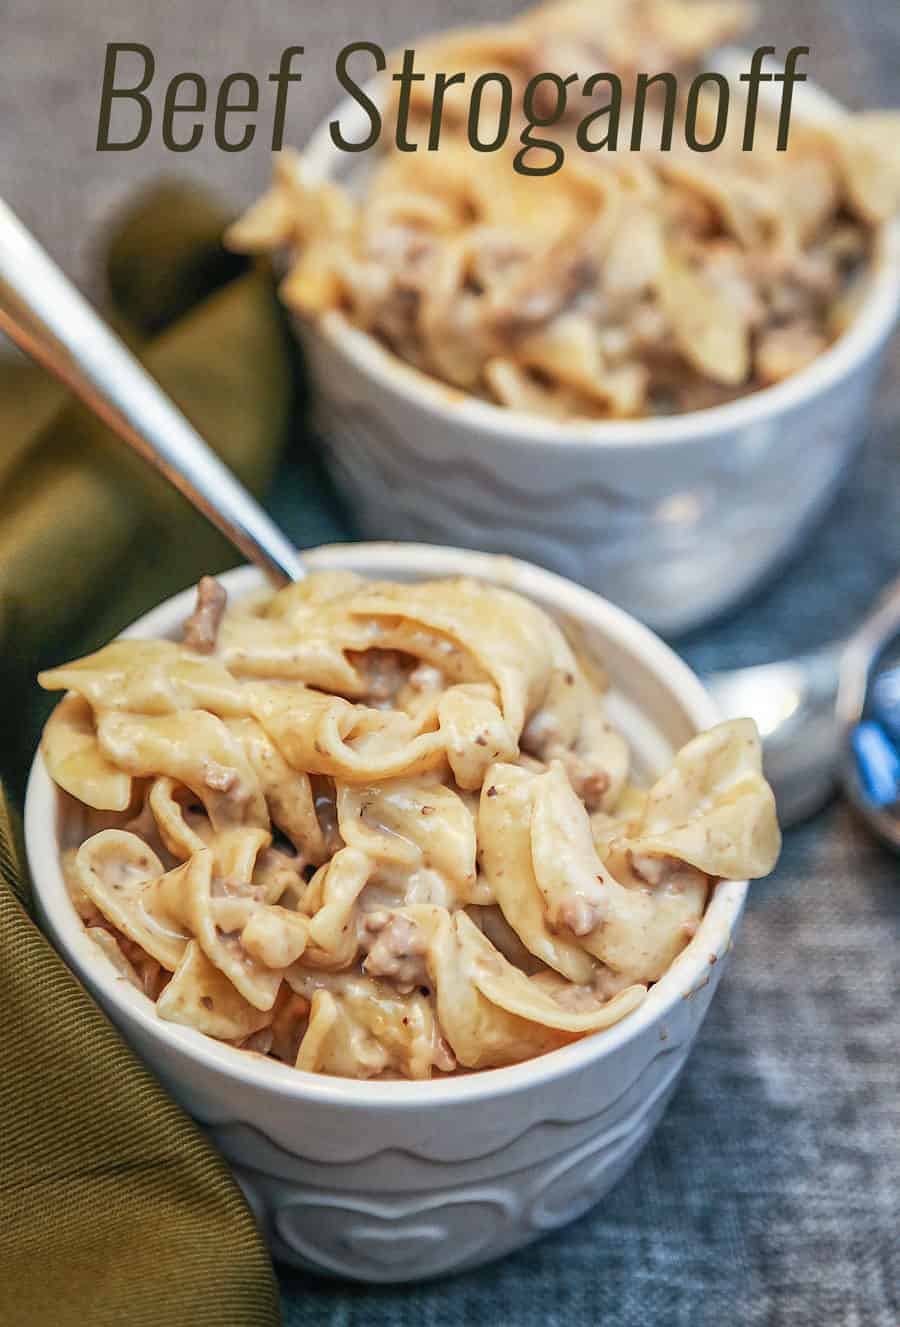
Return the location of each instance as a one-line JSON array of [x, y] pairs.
[[771, 1192]]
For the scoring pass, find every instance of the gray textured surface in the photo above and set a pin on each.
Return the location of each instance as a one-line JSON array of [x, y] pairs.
[[771, 1192]]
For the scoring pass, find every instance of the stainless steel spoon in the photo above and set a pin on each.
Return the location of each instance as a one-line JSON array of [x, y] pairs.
[[808, 709], [48, 318]]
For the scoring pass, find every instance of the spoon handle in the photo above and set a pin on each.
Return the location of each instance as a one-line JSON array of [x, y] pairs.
[[48, 318]]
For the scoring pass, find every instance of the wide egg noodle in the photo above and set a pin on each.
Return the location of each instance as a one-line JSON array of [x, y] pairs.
[[288, 792], [636, 929], [475, 732], [292, 211], [114, 868], [192, 747], [504, 821], [208, 897], [481, 1034], [749, 209], [200, 996], [278, 878], [275, 936], [331, 903], [181, 833], [149, 677], [710, 329], [507, 638], [215, 920], [713, 808], [491, 1013], [869, 161], [235, 852], [323, 1016], [509, 989], [606, 755], [327, 735], [184, 829], [75, 761], [107, 942], [280, 649], [370, 1029], [412, 824]]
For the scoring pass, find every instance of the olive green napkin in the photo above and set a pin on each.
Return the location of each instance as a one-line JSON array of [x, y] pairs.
[[113, 1208]]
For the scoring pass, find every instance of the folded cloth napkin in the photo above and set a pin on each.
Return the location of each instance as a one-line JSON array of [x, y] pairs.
[[113, 1207]]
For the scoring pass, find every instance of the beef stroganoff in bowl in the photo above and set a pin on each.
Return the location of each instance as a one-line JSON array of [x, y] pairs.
[[648, 371], [383, 830], [391, 1178], [629, 274]]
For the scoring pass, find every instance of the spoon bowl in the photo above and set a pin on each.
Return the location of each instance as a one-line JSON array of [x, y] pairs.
[[810, 710]]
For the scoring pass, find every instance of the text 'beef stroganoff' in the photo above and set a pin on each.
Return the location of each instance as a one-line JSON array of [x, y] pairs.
[[381, 829], [627, 283]]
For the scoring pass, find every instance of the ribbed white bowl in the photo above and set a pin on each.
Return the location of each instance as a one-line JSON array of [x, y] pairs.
[[399, 1181], [672, 518]]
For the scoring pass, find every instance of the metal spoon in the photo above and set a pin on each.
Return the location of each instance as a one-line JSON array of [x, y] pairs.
[[48, 318], [809, 710]]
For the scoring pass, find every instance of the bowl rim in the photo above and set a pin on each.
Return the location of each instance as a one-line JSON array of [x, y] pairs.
[[872, 324], [687, 975]]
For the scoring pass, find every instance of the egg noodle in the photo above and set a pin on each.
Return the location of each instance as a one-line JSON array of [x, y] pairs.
[[375, 829]]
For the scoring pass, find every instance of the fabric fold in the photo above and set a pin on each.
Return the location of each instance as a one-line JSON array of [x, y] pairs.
[[113, 1207]]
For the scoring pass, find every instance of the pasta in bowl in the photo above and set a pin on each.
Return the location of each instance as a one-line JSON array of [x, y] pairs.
[[580, 276], [647, 371], [463, 876], [342, 1173]]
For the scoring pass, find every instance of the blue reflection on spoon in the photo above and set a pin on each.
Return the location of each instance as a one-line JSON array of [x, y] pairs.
[[877, 762], [885, 702]]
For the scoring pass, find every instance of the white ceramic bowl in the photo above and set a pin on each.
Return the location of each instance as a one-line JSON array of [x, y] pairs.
[[672, 518], [396, 1181]]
